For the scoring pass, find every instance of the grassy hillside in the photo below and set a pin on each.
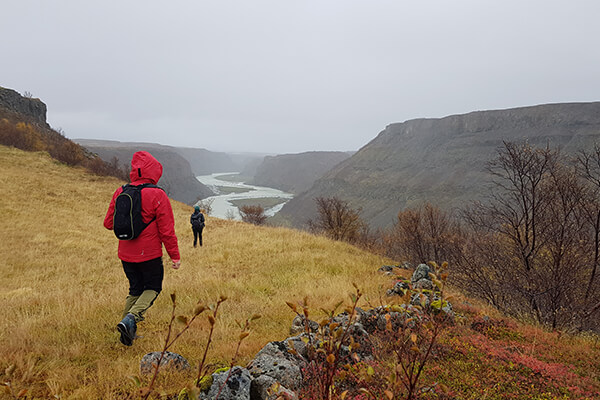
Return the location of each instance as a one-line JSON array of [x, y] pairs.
[[62, 288]]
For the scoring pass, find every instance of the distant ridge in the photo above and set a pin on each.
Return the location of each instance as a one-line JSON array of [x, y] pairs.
[[296, 173], [178, 180], [442, 160]]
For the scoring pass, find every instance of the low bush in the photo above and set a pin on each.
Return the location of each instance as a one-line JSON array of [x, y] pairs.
[[30, 136]]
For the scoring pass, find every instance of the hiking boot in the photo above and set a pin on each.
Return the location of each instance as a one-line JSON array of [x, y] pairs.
[[127, 327]]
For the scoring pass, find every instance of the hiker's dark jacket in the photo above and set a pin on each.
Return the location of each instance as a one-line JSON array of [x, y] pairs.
[[197, 216], [155, 202]]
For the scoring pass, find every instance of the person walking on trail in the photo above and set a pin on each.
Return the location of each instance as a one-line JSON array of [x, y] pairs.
[[197, 221], [142, 256]]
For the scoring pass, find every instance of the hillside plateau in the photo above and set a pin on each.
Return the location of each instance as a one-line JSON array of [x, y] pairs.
[[62, 289], [295, 173], [442, 161]]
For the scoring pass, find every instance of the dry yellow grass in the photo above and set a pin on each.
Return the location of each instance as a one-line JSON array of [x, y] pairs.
[[62, 285]]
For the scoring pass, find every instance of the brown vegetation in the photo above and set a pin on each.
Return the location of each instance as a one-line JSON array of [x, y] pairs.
[[253, 214], [533, 246], [423, 234], [30, 136], [337, 220], [532, 249]]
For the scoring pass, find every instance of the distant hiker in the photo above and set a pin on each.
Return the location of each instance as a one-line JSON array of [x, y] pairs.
[[141, 253], [197, 221]]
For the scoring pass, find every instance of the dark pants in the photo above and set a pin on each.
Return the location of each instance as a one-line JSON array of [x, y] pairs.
[[197, 235], [146, 275], [145, 283]]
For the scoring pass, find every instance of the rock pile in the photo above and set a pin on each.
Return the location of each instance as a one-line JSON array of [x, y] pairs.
[[277, 369]]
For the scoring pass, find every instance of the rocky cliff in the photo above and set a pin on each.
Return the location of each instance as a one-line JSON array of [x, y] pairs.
[[296, 173], [33, 109], [442, 160]]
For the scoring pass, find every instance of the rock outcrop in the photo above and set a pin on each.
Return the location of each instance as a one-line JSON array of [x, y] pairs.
[[279, 369], [33, 109], [232, 384]]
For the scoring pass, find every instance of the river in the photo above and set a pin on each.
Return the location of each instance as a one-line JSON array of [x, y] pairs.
[[229, 191]]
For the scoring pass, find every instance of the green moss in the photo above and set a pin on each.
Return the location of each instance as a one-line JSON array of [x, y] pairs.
[[207, 381]]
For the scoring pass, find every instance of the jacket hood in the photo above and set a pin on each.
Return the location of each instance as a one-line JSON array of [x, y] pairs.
[[145, 168]]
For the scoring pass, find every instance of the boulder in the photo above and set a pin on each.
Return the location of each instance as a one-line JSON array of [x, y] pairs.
[[399, 289], [265, 387], [275, 361], [232, 384], [421, 272], [425, 284], [299, 344], [375, 320], [170, 360]]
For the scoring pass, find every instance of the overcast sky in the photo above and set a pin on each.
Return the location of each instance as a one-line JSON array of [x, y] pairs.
[[287, 76]]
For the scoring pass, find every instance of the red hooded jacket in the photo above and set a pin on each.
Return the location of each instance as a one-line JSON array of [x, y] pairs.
[[147, 246]]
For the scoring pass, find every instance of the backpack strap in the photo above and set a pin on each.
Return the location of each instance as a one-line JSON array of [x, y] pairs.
[[144, 186], [149, 185]]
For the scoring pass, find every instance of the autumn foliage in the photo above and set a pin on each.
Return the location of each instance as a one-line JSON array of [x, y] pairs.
[[253, 214], [30, 136]]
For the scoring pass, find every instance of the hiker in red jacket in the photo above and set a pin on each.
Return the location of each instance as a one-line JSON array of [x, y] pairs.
[[142, 257]]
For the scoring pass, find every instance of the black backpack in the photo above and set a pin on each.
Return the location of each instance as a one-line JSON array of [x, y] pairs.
[[127, 219], [198, 220]]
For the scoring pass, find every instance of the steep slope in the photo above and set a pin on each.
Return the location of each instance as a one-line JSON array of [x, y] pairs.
[[178, 179], [296, 173], [442, 160]]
